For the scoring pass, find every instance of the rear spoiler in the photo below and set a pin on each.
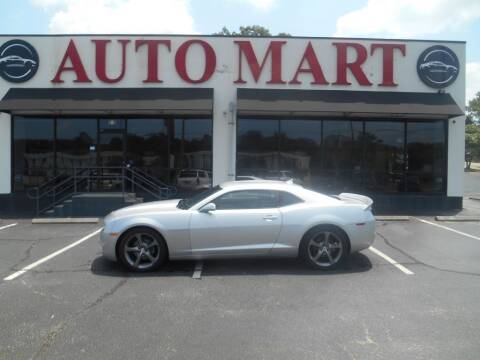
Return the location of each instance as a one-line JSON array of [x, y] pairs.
[[357, 199]]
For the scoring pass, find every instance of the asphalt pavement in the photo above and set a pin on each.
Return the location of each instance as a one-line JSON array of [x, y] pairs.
[[77, 305]]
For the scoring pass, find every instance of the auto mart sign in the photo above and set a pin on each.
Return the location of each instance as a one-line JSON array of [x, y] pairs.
[[314, 62]]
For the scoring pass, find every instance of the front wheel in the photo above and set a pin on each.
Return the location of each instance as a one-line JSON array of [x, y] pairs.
[[142, 249], [324, 247]]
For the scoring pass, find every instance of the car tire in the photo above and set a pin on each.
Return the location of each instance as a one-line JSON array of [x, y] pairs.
[[142, 249], [324, 247]]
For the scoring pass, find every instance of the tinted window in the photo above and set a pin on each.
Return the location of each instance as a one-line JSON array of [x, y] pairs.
[[112, 124], [425, 156], [190, 145], [342, 156], [257, 146], [147, 145], [285, 199], [76, 143], [247, 199], [299, 150], [33, 149], [385, 156]]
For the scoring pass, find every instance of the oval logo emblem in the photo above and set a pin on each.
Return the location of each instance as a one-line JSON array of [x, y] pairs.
[[438, 66], [18, 61]]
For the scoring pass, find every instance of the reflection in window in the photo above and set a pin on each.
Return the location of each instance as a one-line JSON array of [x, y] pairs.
[[425, 156], [257, 147], [33, 149], [300, 142], [190, 147], [197, 145], [384, 156], [76, 143], [148, 146], [160, 147], [342, 156]]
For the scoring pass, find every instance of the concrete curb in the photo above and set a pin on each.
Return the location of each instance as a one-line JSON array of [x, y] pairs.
[[66, 221], [457, 218], [392, 218]]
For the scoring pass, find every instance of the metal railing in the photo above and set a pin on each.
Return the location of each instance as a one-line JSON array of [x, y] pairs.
[[97, 179]]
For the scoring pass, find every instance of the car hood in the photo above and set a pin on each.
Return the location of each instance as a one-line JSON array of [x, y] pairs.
[[157, 206]]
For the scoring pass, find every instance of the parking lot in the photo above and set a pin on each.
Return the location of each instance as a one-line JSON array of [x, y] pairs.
[[416, 295]]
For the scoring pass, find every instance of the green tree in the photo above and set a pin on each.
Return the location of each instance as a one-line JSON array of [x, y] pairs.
[[472, 140], [250, 31], [472, 128], [473, 108]]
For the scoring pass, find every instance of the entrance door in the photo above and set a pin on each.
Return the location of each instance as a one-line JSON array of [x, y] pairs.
[[111, 153]]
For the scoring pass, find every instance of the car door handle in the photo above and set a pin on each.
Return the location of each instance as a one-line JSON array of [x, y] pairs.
[[270, 217]]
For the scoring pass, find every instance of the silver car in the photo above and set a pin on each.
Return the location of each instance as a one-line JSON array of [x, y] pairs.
[[241, 219]]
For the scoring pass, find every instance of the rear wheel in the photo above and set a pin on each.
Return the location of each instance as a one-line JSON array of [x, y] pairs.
[[324, 247], [142, 249]]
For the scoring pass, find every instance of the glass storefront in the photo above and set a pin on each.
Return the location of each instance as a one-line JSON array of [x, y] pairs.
[[46, 147], [339, 155], [329, 155]]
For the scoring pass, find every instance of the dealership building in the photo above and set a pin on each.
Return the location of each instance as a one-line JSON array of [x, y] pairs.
[[110, 114]]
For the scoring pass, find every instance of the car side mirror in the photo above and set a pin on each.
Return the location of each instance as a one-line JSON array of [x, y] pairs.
[[207, 209]]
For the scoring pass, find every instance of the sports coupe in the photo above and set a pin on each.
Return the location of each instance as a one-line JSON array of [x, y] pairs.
[[241, 219]]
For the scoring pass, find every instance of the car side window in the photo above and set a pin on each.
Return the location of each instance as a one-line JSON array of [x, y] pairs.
[[247, 199], [286, 198]]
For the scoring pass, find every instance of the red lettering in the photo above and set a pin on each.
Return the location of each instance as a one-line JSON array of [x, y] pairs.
[[101, 60], [181, 61], [76, 65], [313, 68], [275, 49], [355, 66], [152, 57], [388, 54]]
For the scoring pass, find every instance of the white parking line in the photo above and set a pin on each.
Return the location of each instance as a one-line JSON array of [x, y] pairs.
[[447, 228], [7, 226], [51, 256], [391, 261], [197, 274]]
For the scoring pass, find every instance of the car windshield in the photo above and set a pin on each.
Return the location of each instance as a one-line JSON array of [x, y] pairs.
[[187, 203]]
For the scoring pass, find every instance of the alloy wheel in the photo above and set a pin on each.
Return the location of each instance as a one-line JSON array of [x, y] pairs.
[[325, 249], [141, 251]]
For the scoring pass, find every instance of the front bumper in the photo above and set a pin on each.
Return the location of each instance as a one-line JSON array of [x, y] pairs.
[[108, 243]]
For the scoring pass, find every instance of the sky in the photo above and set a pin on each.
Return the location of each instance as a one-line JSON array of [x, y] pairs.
[[395, 19]]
